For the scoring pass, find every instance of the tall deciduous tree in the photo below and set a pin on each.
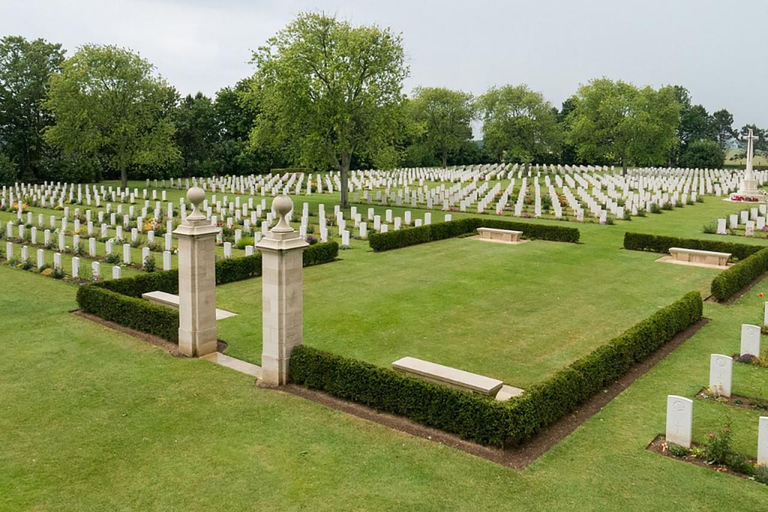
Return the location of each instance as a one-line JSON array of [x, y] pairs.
[[619, 122], [108, 102], [25, 69], [445, 118], [519, 125], [722, 124], [197, 135], [329, 90]]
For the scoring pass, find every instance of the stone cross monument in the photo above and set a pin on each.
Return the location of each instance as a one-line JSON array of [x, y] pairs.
[[282, 295], [748, 190], [197, 280]]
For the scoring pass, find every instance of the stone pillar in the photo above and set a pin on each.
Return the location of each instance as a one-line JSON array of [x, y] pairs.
[[197, 280], [282, 295]]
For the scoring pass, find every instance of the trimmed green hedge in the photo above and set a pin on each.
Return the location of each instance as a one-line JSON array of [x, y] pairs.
[[129, 311], [481, 419], [119, 300], [752, 259], [656, 243], [443, 230], [740, 275], [470, 416], [165, 281]]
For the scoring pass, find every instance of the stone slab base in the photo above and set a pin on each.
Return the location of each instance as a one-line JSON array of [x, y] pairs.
[[235, 364], [670, 259], [506, 392], [478, 237]]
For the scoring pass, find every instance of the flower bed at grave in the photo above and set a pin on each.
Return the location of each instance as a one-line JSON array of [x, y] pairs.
[[482, 419], [119, 300], [451, 229], [753, 259]]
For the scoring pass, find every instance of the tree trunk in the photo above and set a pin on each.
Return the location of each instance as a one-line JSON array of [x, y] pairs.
[[623, 167], [445, 159], [344, 168], [124, 175]]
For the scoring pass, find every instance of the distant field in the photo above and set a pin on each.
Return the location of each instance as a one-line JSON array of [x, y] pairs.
[[732, 158]]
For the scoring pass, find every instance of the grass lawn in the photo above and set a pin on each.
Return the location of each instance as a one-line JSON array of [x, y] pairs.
[[516, 313], [92, 419], [96, 420]]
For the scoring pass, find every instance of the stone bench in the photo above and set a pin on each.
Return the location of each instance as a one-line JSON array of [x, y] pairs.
[[504, 235], [170, 300], [448, 376], [702, 257]]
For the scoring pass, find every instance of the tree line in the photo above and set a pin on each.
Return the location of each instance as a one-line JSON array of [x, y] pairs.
[[325, 95]]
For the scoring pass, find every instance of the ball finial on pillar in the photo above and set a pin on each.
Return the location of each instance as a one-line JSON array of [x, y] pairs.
[[196, 196], [282, 205]]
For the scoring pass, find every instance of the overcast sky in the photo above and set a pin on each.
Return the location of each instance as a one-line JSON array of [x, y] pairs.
[[715, 48]]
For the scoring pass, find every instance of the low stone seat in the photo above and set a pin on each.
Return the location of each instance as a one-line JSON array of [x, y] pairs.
[[698, 256], [172, 301], [505, 235], [448, 376]]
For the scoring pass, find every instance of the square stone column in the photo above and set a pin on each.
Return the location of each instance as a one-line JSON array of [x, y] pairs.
[[282, 295], [197, 281]]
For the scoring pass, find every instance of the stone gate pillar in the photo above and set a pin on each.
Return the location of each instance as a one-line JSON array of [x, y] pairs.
[[197, 280], [282, 295]]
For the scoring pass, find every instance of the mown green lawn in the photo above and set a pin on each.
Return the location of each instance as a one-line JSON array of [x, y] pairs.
[[97, 420], [92, 419]]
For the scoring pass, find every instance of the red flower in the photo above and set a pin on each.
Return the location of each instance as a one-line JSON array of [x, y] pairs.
[[760, 295]]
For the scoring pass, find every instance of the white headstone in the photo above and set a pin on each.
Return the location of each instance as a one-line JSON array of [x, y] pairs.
[[679, 420], [762, 441], [720, 374], [116, 272], [127, 254], [166, 260], [75, 267], [750, 340], [721, 227]]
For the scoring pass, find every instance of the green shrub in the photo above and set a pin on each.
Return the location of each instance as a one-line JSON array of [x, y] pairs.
[[661, 244], [719, 445], [454, 228], [236, 269], [131, 312], [677, 450], [243, 242], [761, 474], [726, 284], [470, 416], [320, 253]]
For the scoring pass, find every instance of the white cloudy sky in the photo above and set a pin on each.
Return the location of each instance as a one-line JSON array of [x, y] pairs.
[[715, 48]]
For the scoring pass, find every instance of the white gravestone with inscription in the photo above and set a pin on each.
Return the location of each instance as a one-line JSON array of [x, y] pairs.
[[679, 420], [720, 374], [750, 340]]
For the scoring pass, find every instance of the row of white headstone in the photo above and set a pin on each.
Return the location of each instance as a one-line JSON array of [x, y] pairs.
[[40, 258], [679, 423]]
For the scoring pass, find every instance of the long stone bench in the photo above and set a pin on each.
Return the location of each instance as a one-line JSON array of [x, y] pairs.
[[172, 301], [448, 376], [503, 235], [697, 256]]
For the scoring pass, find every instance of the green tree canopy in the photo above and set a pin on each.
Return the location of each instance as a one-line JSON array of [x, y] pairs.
[[519, 125], [329, 90], [197, 135], [108, 104], [703, 154], [444, 117], [25, 69], [722, 126], [620, 122]]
